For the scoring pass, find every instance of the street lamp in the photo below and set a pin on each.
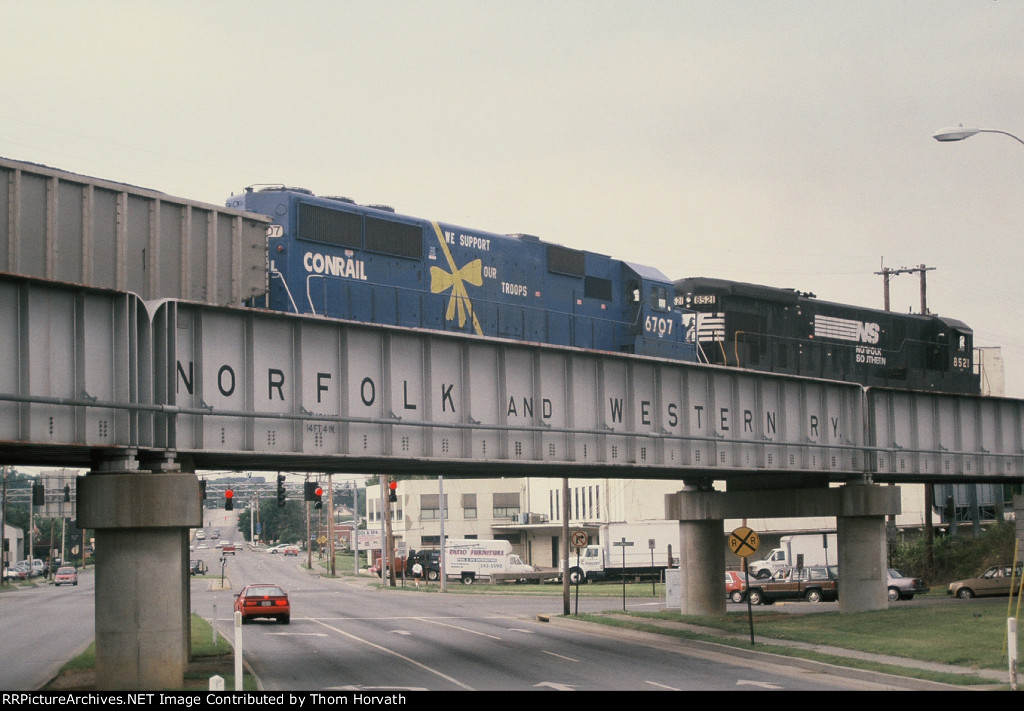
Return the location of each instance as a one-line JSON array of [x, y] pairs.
[[959, 133]]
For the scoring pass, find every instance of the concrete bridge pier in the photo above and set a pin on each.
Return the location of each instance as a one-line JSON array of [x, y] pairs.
[[860, 511], [141, 521]]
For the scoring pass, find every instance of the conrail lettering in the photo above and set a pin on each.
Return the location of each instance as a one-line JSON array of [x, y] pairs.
[[335, 266]]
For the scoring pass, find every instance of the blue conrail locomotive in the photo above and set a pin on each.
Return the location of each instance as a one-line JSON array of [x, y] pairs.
[[332, 257]]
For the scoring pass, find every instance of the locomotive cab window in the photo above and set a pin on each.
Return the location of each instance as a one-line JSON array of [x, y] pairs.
[[659, 298], [633, 293]]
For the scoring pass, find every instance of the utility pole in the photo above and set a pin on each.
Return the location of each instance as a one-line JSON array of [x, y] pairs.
[[330, 521], [3, 524], [929, 489], [887, 274], [309, 544]]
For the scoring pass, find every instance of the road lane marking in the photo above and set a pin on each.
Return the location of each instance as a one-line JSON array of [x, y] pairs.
[[568, 659], [662, 686], [415, 663], [456, 627]]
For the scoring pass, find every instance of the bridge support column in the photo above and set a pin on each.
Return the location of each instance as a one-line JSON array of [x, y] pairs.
[[142, 617], [701, 560], [860, 531], [860, 511], [862, 579]]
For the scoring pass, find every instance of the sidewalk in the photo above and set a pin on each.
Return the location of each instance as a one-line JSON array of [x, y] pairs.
[[992, 678]]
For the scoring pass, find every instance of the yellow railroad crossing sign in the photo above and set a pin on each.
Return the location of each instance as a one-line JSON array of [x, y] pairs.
[[744, 542]]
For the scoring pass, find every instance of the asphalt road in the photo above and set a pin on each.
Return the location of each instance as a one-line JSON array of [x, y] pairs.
[[348, 635]]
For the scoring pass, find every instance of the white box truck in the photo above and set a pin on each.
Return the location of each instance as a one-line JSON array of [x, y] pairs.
[[806, 549], [472, 559], [640, 549]]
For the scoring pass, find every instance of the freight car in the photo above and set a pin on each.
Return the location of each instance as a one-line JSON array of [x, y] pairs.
[[332, 257], [787, 331]]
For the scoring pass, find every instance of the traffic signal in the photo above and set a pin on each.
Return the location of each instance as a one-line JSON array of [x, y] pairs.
[[229, 500], [309, 491], [38, 495], [312, 492], [280, 490], [392, 493], [67, 492]]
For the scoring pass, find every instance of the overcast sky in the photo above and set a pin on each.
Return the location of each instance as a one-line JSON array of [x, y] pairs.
[[784, 143]]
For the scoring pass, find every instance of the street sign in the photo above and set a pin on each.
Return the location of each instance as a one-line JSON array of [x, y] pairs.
[[579, 539], [744, 542], [623, 543]]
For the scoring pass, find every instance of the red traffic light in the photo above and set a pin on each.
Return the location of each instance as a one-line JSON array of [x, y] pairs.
[[392, 485], [228, 494], [319, 491]]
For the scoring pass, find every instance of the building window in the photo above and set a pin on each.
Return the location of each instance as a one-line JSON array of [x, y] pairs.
[[430, 507], [469, 506], [506, 505]]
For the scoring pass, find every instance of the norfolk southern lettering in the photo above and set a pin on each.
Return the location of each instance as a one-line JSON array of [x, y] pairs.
[[525, 409]]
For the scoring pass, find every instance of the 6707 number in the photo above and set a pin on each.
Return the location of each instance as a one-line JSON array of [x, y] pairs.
[[658, 325]]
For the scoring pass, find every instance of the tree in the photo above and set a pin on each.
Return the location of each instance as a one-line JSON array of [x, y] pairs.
[[277, 523]]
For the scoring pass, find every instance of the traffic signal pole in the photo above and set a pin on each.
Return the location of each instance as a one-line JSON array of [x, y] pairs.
[[330, 521]]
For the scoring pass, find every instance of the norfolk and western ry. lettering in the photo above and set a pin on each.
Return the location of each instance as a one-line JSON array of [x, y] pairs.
[[702, 418]]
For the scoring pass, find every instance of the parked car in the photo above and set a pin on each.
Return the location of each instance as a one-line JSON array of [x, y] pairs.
[[35, 567], [904, 588], [66, 575], [816, 583], [15, 573], [997, 580], [736, 585], [263, 601]]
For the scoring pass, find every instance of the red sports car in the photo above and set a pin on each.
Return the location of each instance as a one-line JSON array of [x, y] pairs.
[[263, 601]]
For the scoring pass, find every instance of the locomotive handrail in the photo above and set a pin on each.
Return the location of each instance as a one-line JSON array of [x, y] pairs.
[[284, 282]]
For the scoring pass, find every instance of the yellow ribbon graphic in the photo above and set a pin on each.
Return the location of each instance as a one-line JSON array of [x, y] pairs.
[[441, 281]]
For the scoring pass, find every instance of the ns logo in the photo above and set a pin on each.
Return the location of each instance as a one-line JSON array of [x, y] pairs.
[[867, 332]]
